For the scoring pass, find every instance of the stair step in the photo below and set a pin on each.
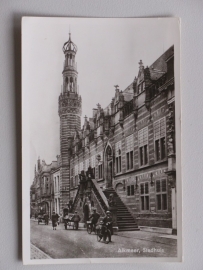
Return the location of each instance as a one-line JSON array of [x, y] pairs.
[[127, 226], [130, 229], [126, 223]]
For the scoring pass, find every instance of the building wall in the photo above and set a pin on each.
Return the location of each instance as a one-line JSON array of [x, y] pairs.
[[153, 173]]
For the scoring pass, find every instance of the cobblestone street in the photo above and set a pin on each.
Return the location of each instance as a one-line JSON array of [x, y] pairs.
[[46, 243]]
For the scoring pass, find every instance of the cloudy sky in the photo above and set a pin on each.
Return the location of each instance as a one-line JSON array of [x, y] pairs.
[[108, 53]]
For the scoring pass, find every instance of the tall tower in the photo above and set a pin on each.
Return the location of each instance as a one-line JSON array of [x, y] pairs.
[[70, 116]]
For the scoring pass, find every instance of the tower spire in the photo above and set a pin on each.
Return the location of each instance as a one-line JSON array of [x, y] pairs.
[[69, 33]]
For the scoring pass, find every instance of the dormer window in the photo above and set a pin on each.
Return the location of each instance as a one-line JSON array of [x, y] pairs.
[[116, 108], [141, 87]]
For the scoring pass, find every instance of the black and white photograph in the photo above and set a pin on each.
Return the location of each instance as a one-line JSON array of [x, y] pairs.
[[101, 136]]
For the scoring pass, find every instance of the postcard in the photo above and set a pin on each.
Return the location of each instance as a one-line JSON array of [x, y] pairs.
[[101, 140]]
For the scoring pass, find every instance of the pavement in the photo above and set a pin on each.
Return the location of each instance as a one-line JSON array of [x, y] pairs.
[[61, 243]]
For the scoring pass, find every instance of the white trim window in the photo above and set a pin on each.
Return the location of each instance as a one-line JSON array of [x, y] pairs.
[[129, 152], [160, 139], [118, 156], [143, 146]]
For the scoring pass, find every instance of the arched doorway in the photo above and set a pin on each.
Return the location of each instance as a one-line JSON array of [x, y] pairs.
[[108, 166]]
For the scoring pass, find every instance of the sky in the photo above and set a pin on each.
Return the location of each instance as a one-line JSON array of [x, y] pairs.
[[108, 54]]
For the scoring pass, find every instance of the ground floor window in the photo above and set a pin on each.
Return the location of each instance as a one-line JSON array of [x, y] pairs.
[[130, 190], [129, 158], [144, 196], [161, 194]]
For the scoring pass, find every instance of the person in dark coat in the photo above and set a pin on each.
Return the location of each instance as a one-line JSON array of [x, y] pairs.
[[76, 220], [94, 218], [108, 221], [46, 219], [54, 219]]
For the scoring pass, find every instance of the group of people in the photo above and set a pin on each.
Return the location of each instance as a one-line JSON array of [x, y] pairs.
[[106, 224]]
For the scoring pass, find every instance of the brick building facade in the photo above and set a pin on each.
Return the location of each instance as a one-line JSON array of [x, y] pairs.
[[130, 144]]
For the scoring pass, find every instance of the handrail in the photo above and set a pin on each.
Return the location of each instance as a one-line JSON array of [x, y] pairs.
[[101, 194]]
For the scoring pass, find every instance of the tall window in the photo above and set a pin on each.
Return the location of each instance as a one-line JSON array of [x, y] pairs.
[[118, 156], [161, 194], [160, 139], [58, 184], [93, 164], [71, 178], [86, 164], [76, 176], [100, 171], [143, 145], [81, 167], [144, 196], [54, 184], [130, 190], [100, 165], [129, 152]]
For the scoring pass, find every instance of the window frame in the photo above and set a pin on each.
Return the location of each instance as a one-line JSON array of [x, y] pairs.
[[100, 171], [118, 158], [159, 142], [129, 154], [161, 193], [142, 149], [129, 190], [144, 195]]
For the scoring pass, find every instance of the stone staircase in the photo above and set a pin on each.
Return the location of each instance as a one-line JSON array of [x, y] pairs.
[[125, 219]]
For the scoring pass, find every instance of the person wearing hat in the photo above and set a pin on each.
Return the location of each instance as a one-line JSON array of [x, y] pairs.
[[76, 220], [54, 219], [109, 223], [94, 218]]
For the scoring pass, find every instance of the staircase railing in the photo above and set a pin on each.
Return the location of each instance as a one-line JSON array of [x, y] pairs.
[[100, 195]]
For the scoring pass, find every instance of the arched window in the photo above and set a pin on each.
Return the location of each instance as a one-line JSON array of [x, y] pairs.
[[71, 84]]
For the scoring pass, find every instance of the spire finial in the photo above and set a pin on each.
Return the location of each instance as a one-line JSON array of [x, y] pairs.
[[69, 33]]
